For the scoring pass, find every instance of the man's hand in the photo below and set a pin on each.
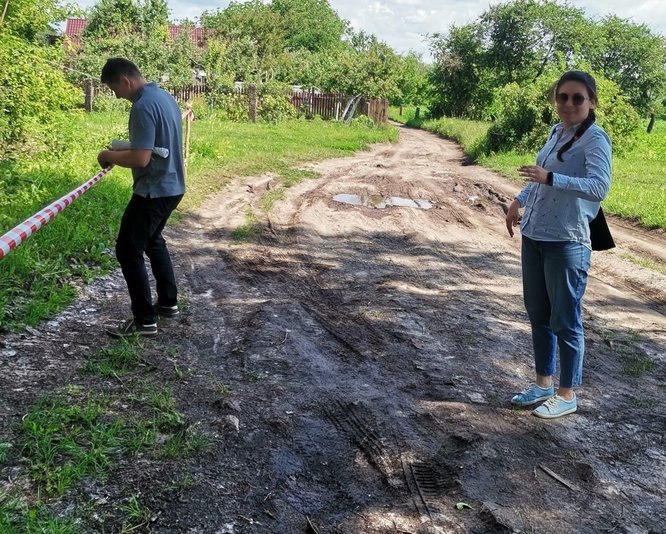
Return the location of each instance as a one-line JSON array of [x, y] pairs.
[[103, 159], [130, 159], [512, 216]]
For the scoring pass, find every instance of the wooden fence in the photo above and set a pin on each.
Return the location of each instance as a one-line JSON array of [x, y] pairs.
[[312, 103]]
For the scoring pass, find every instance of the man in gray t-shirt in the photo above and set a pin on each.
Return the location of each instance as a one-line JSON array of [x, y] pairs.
[[154, 153]]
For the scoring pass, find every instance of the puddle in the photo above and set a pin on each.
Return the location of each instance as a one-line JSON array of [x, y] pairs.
[[379, 202]]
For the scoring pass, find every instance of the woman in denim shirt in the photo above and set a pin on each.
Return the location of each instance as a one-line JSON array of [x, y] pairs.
[[571, 177]]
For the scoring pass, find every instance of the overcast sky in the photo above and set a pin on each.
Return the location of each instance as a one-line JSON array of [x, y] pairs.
[[404, 23]]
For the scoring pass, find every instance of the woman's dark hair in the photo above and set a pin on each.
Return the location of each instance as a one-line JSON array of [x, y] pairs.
[[116, 67], [591, 86]]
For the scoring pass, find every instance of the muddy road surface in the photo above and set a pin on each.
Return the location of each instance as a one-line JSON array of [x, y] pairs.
[[369, 349]]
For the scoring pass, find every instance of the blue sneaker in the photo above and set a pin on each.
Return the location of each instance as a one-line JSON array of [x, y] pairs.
[[532, 395], [556, 407]]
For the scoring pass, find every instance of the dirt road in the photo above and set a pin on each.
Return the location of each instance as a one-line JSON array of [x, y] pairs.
[[370, 354]]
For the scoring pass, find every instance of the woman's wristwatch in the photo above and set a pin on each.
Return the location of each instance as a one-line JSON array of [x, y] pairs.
[[549, 178]]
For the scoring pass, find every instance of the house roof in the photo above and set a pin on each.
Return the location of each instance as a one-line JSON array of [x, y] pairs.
[[75, 27]]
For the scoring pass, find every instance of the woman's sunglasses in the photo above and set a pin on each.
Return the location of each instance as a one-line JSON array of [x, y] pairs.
[[576, 99]]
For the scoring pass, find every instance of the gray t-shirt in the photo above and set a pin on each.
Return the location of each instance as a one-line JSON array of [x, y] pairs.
[[155, 121]]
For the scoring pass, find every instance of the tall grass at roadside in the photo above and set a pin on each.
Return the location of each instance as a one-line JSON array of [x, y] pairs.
[[638, 189], [36, 279]]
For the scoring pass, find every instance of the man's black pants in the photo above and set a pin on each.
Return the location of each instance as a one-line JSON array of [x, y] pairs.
[[141, 232]]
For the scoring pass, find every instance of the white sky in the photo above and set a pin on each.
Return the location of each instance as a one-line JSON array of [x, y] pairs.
[[404, 23]]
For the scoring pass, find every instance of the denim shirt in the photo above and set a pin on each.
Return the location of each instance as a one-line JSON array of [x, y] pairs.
[[563, 211]]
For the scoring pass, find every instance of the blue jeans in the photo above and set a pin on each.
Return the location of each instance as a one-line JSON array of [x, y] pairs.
[[554, 281]]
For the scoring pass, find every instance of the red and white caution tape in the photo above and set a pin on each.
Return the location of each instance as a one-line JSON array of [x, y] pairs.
[[23, 231], [188, 114]]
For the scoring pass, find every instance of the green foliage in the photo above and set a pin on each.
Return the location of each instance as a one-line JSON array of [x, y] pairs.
[[30, 20], [274, 103], [521, 40], [276, 108], [232, 106], [66, 438], [105, 102], [32, 90], [456, 76], [635, 59], [412, 81], [309, 24], [522, 115], [139, 32]]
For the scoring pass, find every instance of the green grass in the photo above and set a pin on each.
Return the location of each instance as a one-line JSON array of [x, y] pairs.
[[75, 433], [35, 279], [116, 360]]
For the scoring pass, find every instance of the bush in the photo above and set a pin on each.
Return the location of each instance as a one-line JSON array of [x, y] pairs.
[[31, 90], [363, 121], [232, 107], [104, 103], [276, 108], [274, 103], [523, 115]]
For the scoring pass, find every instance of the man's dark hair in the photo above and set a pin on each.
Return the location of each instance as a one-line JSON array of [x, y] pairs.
[[591, 86], [116, 67]]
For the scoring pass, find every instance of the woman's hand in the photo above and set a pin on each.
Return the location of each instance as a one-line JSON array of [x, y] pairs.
[[512, 216], [534, 173]]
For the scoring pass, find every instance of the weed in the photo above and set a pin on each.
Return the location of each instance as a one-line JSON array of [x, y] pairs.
[[4, 447], [116, 360], [179, 486], [248, 231], [178, 372], [270, 198], [636, 365], [222, 390], [15, 519], [166, 417], [190, 440], [646, 263], [67, 438], [136, 515]]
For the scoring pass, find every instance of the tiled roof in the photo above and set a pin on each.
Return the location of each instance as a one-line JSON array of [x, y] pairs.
[[196, 34], [75, 27]]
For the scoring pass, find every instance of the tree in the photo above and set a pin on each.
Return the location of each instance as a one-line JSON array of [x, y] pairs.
[[525, 36], [139, 32], [254, 20], [309, 24], [412, 80], [635, 59], [520, 40], [457, 73], [30, 19]]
